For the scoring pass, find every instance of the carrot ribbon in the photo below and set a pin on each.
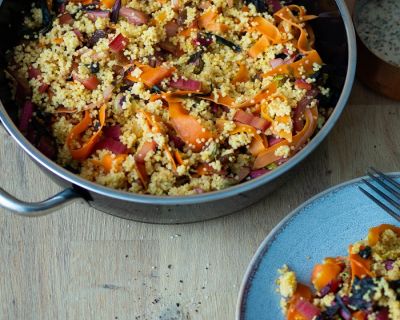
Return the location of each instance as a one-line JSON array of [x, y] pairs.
[[84, 152]]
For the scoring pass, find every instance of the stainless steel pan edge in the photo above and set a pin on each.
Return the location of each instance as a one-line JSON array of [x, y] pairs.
[[183, 209]]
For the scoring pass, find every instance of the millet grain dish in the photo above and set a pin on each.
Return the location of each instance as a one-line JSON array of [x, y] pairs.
[[364, 285], [168, 97]]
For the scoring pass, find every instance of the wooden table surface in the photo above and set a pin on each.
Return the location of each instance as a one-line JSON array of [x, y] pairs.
[[79, 263]]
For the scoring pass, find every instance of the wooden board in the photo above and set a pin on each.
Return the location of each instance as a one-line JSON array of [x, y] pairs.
[[82, 264]]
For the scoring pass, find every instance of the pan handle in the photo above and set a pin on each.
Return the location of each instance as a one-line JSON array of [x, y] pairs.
[[37, 209]]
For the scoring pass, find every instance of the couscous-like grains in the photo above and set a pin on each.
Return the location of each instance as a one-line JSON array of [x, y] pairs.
[[168, 97], [364, 285]]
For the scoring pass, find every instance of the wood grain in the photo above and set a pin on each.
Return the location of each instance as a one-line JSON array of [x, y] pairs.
[[82, 264]]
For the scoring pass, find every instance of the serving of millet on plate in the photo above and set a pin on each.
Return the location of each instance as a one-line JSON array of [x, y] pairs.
[[364, 285], [168, 97]]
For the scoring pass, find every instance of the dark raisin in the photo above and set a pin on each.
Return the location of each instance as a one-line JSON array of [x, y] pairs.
[[365, 253], [97, 35], [94, 67], [281, 56]]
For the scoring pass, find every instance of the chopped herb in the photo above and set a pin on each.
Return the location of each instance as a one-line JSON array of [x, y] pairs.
[[115, 11], [155, 89], [47, 17], [226, 42], [195, 56]]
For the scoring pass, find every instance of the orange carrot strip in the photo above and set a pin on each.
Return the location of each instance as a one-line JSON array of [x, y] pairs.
[[359, 315], [375, 233], [323, 274], [259, 97], [140, 163], [58, 40], [85, 151], [230, 102], [152, 76], [108, 3], [187, 127], [208, 21], [285, 120], [268, 156], [268, 29], [259, 47], [178, 157], [188, 31], [64, 110], [242, 75], [204, 169], [286, 14], [225, 101], [258, 144], [299, 68], [108, 161], [360, 267]]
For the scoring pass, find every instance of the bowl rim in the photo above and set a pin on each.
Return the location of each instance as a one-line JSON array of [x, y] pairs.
[[264, 246], [76, 180]]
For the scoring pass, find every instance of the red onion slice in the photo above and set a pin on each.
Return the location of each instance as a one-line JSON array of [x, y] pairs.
[[91, 83], [260, 123], [298, 122], [276, 62], [134, 16], [243, 173], [113, 132], [383, 314], [66, 18], [47, 147], [302, 84], [95, 14], [118, 44], [275, 5], [251, 120], [112, 145], [258, 173], [189, 85], [26, 116], [273, 140], [307, 309], [33, 73], [243, 117]]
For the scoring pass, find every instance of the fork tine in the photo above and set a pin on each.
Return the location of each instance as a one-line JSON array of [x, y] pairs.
[[379, 203], [383, 195], [381, 182], [386, 177]]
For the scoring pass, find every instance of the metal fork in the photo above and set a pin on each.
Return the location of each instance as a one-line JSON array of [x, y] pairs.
[[392, 196]]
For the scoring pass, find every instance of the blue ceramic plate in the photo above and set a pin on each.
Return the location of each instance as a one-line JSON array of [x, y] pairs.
[[323, 226]]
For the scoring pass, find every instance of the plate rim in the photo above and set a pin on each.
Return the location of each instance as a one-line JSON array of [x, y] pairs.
[[266, 243]]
